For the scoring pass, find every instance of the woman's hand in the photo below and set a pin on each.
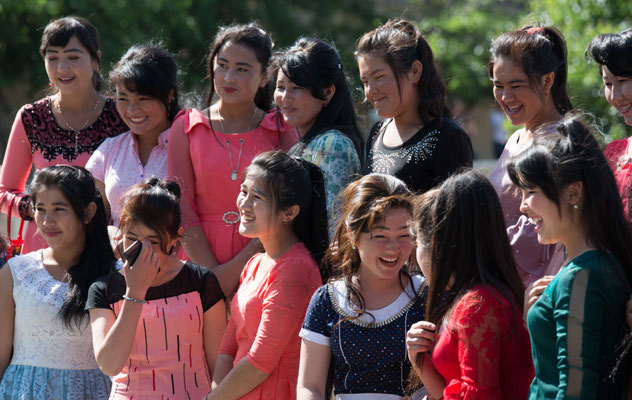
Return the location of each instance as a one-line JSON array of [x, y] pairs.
[[419, 340], [141, 275], [533, 292]]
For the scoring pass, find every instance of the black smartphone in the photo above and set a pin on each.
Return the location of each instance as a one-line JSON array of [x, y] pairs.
[[131, 253]]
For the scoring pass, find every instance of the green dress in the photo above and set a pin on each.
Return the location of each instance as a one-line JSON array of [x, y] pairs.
[[575, 327]]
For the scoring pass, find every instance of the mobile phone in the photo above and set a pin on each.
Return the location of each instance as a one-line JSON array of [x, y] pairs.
[[131, 253]]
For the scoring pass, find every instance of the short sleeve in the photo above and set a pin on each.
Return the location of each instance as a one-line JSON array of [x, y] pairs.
[[97, 295], [455, 151], [316, 327], [210, 291], [96, 164]]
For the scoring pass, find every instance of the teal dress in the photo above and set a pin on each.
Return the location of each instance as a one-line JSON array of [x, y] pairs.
[[575, 327]]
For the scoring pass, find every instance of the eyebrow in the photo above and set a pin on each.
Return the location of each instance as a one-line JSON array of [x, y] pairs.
[[222, 59], [73, 50], [130, 233], [57, 203], [388, 229], [512, 81]]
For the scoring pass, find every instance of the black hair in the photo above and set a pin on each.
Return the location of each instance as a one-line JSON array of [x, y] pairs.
[[155, 204], [254, 38], [59, 32], [316, 65], [400, 43], [294, 181], [538, 51], [614, 50], [97, 258], [149, 71]]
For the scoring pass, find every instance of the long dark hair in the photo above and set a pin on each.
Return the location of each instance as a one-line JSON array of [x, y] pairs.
[[400, 43], [155, 204], [366, 202], [614, 50], [538, 51], [293, 181], [59, 32], [150, 71], [464, 203], [316, 65], [556, 161], [254, 38], [97, 258]]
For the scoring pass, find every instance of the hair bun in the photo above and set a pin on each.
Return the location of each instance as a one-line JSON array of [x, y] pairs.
[[170, 186]]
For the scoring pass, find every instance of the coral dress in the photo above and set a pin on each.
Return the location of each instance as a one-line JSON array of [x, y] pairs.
[[202, 159], [620, 160], [37, 140]]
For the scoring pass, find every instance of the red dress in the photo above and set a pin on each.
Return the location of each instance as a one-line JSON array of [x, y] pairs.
[[200, 161], [484, 351], [618, 155]]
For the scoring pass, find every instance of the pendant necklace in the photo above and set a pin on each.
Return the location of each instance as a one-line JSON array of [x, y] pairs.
[[234, 171], [77, 132]]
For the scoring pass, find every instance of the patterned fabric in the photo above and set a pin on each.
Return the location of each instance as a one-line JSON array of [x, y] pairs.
[[168, 356], [369, 353], [337, 157], [483, 350], [620, 160], [432, 154], [43, 347], [116, 164], [575, 328]]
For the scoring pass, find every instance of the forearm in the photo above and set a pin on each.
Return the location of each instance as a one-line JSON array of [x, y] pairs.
[[115, 349], [431, 378], [308, 393], [222, 367], [240, 380], [197, 248], [228, 273]]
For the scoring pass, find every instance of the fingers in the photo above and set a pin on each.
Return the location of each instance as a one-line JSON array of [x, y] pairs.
[[420, 338]]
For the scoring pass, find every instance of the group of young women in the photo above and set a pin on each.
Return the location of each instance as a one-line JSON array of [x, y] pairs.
[[268, 268]]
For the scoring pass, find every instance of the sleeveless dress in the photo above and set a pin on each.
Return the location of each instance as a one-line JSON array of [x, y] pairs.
[[49, 360]]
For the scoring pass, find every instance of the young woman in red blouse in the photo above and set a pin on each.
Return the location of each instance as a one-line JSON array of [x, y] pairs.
[[474, 344]]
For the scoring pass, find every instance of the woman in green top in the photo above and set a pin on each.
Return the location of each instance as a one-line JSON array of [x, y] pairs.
[[570, 194]]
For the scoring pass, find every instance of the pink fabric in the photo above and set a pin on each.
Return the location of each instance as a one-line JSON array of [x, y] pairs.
[[21, 154], [266, 316], [199, 161], [534, 259], [484, 351], [618, 152], [167, 360], [116, 164]]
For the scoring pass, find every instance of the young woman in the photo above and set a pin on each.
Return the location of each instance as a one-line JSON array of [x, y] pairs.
[[65, 127], [360, 319], [613, 53], [43, 294], [313, 96], [570, 194], [146, 84], [210, 149], [475, 297], [282, 203], [528, 69], [416, 141], [158, 322]]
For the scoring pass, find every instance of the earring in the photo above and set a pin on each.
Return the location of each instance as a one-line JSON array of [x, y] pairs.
[[575, 206]]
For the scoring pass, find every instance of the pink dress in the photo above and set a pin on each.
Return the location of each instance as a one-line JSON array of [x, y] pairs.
[[200, 161], [266, 316], [37, 140], [618, 154]]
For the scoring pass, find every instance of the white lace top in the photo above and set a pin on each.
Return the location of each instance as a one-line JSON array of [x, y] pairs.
[[40, 337]]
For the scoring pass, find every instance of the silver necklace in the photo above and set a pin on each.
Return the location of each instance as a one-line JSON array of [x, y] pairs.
[[221, 119], [77, 132], [234, 171]]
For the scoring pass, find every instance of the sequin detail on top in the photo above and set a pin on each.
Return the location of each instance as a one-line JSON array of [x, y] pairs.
[[46, 135], [420, 151]]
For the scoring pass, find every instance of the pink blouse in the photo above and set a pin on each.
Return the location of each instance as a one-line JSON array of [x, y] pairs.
[[116, 164]]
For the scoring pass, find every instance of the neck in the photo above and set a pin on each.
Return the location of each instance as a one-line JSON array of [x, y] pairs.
[[279, 242], [150, 139], [236, 112], [551, 116], [373, 287], [576, 243], [67, 257], [408, 122], [78, 103], [170, 266]]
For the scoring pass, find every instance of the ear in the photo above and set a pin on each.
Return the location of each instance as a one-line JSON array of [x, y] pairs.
[[574, 193], [288, 215], [170, 97], [90, 211], [547, 82], [329, 93], [416, 69], [264, 78]]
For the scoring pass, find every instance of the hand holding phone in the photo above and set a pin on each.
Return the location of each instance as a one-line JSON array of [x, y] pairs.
[[132, 252]]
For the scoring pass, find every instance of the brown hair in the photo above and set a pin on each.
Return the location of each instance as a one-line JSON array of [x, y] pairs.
[[155, 204], [400, 43], [60, 31]]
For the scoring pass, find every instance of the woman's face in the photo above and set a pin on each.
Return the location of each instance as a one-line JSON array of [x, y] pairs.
[[382, 90], [258, 216], [144, 115], [237, 74], [552, 224], [140, 232], [618, 91], [522, 104], [299, 108], [386, 248], [56, 220], [70, 68], [423, 257]]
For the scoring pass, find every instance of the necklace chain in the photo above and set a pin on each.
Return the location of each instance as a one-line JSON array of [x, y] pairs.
[[85, 124], [221, 119]]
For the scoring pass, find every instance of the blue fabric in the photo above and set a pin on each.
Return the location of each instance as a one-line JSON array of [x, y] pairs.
[[25, 382]]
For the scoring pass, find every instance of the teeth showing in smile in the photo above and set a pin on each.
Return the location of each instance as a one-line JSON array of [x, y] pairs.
[[389, 260], [137, 120], [535, 220], [625, 108], [246, 219], [513, 109]]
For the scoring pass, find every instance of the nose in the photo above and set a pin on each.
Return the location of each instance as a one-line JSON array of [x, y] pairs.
[[62, 64], [229, 76], [506, 95], [614, 93], [524, 208]]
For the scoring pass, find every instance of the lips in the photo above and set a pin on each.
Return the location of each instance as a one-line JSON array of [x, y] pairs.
[[65, 81], [228, 89], [51, 233], [137, 120], [624, 108], [537, 221], [389, 261], [513, 110]]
